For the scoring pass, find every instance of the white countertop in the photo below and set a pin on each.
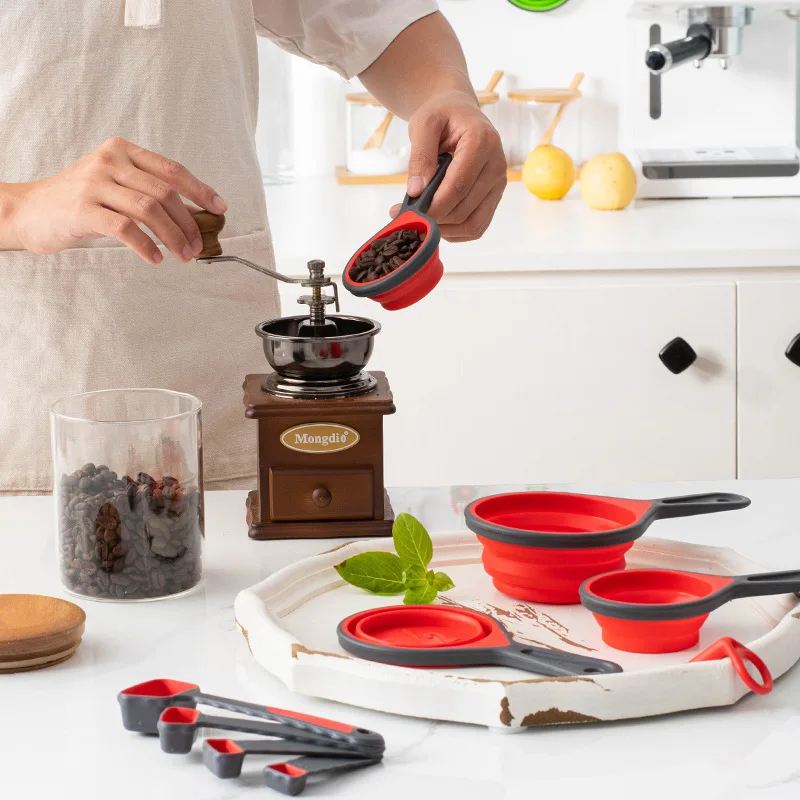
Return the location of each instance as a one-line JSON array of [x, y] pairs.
[[317, 218], [62, 737]]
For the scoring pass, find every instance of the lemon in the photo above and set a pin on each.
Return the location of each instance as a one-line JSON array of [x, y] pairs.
[[548, 172], [608, 182]]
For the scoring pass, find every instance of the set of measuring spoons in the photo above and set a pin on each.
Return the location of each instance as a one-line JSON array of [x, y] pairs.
[[168, 709]]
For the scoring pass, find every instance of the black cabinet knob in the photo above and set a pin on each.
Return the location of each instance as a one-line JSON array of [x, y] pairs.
[[677, 355], [793, 351]]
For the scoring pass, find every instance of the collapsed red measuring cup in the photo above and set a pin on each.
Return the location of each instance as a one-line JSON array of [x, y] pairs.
[[443, 636], [420, 274], [662, 610], [540, 546]]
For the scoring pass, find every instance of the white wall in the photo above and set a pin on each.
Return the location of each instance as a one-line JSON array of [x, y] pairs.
[[535, 49]]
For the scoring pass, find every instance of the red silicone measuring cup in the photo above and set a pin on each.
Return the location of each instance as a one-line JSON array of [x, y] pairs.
[[662, 610], [442, 636], [540, 546], [419, 275]]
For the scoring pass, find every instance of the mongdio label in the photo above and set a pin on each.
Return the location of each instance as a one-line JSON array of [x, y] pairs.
[[319, 437]]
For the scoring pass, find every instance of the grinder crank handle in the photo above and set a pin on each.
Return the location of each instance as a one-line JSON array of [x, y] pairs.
[[339, 733], [211, 225]]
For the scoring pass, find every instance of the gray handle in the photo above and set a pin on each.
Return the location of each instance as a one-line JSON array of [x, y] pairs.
[[290, 777], [551, 662], [694, 504], [764, 583]]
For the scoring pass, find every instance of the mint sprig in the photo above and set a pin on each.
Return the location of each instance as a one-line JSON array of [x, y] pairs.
[[407, 572]]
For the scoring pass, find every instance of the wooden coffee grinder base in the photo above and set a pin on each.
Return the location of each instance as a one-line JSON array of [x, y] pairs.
[[320, 464]]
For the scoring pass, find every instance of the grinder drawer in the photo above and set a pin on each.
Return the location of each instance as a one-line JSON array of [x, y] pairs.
[[298, 493]]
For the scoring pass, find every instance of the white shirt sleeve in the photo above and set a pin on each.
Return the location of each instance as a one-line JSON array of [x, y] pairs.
[[344, 35]]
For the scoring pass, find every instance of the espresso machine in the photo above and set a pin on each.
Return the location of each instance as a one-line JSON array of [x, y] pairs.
[[710, 108]]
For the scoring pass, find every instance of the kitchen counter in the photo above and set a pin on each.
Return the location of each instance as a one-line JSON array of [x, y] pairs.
[[317, 218], [62, 737]]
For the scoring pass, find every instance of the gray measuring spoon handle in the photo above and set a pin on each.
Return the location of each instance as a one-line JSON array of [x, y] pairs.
[[262, 729], [357, 738], [765, 583], [554, 663]]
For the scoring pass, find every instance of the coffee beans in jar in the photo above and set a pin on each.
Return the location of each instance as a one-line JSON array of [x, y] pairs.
[[386, 254], [130, 537]]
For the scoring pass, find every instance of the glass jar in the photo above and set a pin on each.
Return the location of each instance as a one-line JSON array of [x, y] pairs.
[[128, 488], [365, 115], [535, 109], [275, 144]]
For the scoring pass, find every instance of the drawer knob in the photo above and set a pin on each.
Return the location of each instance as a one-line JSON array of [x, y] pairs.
[[793, 351], [677, 355], [321, 497]]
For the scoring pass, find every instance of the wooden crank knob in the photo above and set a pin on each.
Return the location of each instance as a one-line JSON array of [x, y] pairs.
[[210, 226]]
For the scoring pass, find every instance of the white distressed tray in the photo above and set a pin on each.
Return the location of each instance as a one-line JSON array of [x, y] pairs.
[[290, 623]]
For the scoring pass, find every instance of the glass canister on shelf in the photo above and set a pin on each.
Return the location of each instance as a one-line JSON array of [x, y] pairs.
[[535, 111], [275, 144], [378, 146], [377, 141], [128, 488]]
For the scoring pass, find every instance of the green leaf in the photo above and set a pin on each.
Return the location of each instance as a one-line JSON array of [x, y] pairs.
[[378, 573], [411, 540], [420, 595], [415, 576], [442, 582]]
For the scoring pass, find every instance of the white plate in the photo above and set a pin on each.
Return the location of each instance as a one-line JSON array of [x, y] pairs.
[[290, 623]]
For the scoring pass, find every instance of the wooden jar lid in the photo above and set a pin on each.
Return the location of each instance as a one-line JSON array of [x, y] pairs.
[[37, 631], [544, 95]]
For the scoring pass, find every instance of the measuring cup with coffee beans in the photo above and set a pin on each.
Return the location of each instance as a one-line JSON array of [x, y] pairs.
[[400, 264]]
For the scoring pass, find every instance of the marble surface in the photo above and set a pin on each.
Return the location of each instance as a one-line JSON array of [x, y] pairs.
[[61, 735], [317, 216]]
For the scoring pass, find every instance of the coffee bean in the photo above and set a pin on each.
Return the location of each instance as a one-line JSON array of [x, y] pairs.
[[386, 255]]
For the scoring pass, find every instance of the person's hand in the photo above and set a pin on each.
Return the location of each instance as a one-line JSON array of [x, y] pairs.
[[466, 201], [106, 193]]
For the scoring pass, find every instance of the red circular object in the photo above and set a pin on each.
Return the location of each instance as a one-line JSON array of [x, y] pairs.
[[530, 564], [420, 627], [424, 627], [638, 636], [651, 587], [543, 575], [411, 281]]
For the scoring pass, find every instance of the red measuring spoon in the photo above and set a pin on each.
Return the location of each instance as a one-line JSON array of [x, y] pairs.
[[143, 704], [225, 757], [418, 276], [739, 656], [441, 636], [662, 610], [541, 546]]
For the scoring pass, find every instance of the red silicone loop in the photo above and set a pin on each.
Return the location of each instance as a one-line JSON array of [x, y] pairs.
[[739, 655], [321, 721]]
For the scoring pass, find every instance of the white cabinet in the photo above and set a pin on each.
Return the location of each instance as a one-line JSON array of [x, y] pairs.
[[769, 383], [497, 384]]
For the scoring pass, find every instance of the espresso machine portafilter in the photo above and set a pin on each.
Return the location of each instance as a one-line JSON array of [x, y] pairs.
[[712, 32]]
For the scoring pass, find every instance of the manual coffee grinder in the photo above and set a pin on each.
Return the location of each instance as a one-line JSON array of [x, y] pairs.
[[319, 415]]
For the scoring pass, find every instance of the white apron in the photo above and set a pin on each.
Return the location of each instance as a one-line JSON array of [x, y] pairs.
[[179, 77]]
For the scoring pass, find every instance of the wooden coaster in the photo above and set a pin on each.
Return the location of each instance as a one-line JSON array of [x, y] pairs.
[[37, 631]]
